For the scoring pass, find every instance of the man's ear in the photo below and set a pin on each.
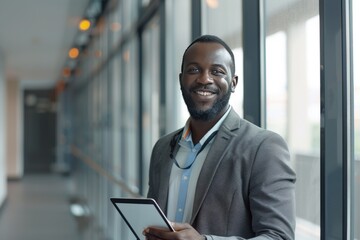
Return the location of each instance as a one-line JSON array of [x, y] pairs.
[[234, 82]]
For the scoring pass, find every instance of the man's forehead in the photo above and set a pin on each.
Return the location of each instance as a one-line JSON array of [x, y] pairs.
[[210, 49]]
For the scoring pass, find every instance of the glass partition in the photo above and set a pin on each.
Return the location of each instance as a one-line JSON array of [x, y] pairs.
[[293, 98], [150, 93], [109, 105], [177, 39], [224, 19], [129, 14], [130, 115], [115, 78]]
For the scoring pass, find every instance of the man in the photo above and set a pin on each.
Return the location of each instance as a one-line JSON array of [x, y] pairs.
[[220, 177]]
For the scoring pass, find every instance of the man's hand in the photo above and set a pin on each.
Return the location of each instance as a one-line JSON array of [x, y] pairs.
[[183, 231]]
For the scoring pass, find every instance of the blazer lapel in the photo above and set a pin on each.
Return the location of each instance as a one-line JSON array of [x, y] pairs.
[[213, 159], [164, 184]]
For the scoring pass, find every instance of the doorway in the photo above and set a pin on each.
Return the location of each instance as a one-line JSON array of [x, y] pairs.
[[39, 131]]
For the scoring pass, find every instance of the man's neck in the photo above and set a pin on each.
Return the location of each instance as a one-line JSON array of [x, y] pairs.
[[199, 127]]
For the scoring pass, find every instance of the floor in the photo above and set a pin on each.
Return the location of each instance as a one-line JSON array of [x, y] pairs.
[[37, 208]]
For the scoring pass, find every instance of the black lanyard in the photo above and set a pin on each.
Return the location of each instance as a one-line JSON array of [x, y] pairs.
[[175, 141]]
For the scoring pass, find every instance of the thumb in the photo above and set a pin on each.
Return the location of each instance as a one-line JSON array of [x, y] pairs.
[[180, 226]]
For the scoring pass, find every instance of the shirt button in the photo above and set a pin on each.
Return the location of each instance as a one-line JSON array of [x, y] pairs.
[[180, 209], [185, 178]]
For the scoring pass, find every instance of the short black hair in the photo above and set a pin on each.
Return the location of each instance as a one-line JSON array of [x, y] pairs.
[[212, 39]]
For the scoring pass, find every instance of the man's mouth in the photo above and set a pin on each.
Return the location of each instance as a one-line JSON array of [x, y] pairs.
[[204, 93]]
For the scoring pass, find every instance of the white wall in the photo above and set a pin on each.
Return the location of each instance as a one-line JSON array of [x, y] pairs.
[[3, 186]]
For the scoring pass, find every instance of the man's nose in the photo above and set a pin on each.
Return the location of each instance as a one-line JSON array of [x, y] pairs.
[[205, 78]]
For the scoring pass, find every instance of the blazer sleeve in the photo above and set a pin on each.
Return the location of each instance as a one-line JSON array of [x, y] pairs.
[[271, 191]]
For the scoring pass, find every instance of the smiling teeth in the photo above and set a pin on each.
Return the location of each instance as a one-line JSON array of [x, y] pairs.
[[204, 93]]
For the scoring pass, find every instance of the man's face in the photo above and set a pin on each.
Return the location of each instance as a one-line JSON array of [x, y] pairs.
[[206, 81]]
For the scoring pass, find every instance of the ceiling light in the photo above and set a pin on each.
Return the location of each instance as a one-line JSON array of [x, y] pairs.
[[84, 25], [73, 53]]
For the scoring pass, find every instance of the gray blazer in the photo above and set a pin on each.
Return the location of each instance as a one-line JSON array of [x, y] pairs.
[[245, 189]]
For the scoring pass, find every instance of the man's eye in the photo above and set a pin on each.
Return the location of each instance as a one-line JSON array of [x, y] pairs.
[[193, 70], [218, 72]]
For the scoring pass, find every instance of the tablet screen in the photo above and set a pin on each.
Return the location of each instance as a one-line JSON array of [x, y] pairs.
[[141, 213]]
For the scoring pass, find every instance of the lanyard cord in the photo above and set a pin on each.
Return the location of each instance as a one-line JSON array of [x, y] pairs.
[[175, 141]]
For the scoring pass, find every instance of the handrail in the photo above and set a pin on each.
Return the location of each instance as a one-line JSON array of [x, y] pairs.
[[97, 168]]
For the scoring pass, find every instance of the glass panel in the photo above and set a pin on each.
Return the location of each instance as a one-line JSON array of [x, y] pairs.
[[276, 95], [130, 115], [356, 64], [116, 114], [115, 75], [293, 98], [129, 14], [177, 39], [216, 18], [115, 27], [150, 92]]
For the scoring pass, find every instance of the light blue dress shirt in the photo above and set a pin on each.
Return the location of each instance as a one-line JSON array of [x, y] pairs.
[[182, 183]]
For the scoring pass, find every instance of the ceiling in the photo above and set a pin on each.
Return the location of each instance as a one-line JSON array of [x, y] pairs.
[[36, 35]]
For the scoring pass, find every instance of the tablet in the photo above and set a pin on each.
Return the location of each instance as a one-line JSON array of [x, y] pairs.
[[140, 213]]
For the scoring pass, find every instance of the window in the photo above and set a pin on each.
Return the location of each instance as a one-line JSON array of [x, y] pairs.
[[150, 93], [224, 19], [115, 70], [292, 62], [130, 115], [177, 39]]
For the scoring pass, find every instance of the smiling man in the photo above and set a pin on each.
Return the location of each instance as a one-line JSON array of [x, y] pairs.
[[220, 177]]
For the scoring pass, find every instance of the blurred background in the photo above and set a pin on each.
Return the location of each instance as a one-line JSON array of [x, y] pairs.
[[88, 86]]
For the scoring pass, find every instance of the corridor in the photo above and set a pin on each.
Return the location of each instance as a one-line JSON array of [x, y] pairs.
[[37, 208]]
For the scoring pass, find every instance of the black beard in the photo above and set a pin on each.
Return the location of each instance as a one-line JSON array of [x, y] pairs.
[[209, 114]]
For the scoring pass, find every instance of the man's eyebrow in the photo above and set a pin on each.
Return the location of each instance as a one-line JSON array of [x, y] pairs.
[[219, 65], [191, 63]]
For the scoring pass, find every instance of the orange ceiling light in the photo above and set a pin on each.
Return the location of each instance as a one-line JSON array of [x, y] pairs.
[[84, 25], [73, 53]]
